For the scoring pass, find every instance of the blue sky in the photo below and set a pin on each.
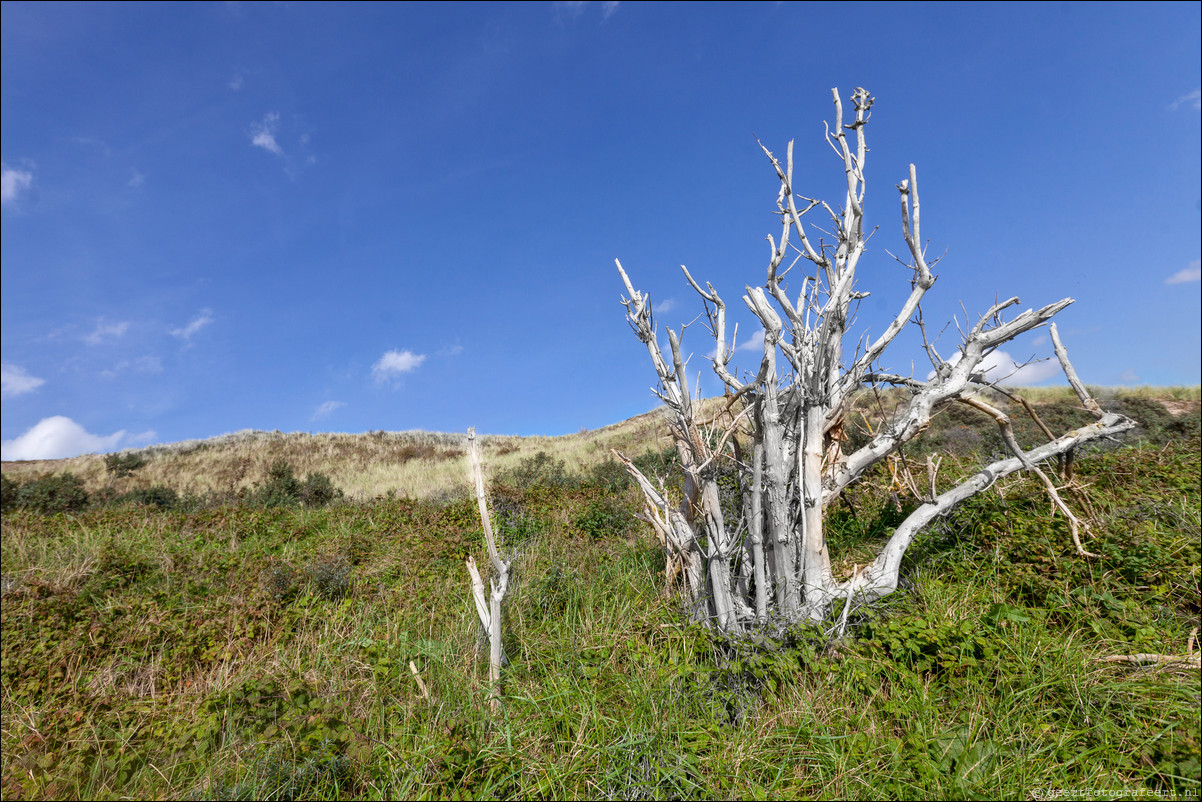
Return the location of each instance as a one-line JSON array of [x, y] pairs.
[[314, 217]]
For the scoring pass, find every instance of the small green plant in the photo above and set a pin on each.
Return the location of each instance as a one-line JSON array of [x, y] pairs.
[[928, 646], [279, 580], [330, 576]]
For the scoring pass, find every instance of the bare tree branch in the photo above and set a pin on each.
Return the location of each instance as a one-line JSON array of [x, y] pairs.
[[796, 412]]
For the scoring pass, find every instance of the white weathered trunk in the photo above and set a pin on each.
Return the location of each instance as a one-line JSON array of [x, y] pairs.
[[490, 613], [798, 467]]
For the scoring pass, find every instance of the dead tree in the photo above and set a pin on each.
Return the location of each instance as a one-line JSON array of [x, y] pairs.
[[489, 611], [775, 564]]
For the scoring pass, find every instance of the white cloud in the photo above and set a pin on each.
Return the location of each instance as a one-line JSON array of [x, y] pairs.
[[1129, 377], [104, 330], [199, 322], [135, 180], [609, 8], [1188, 274], [12, 183], [753, 343], [327, 408], [59, 437], [395, 363], [999, 366], [15, 381], [1194, 98], [666, 305], [237, 81], [262, 134]]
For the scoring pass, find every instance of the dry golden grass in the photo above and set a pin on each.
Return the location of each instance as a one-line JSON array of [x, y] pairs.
[[424, 464], [413, 464]]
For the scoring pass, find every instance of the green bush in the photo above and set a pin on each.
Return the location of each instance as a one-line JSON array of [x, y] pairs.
[[156, 496], [660, 464], [9, 491], [122, 465], [604, 517], [61, 492], [540, 470], [283, 489], [609, 476], [318, 490], [279, 580]]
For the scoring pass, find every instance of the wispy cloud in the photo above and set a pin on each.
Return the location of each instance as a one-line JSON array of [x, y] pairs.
[[13, 183], [574, 8], [326, 409], [262, 134], [753, 343], [144, 365], [666, 305], [199, 322], [59, 437], [266, 134], [106, 330], [394, 364], [1194, 99], [1188, 274], [1129, 376], [237, 80], [98, 145], [136, 179], [15, 381]]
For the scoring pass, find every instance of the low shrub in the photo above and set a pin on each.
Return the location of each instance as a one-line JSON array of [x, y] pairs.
[[9, 491], [155, 496], [63, 492], [282, 488], [122, 465], [605, 517], [540, 470], [330, 576]]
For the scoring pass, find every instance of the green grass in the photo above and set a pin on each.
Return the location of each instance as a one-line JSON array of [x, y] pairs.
[[238, 652]]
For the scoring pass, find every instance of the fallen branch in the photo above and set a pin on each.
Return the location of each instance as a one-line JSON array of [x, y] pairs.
[[1154, 659]]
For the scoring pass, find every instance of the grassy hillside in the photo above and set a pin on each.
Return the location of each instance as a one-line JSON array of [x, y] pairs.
[[428, 464], [407, 464], [225, 647]]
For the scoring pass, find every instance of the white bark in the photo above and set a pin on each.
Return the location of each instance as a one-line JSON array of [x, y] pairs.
[[798, 465], [490, 615]]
